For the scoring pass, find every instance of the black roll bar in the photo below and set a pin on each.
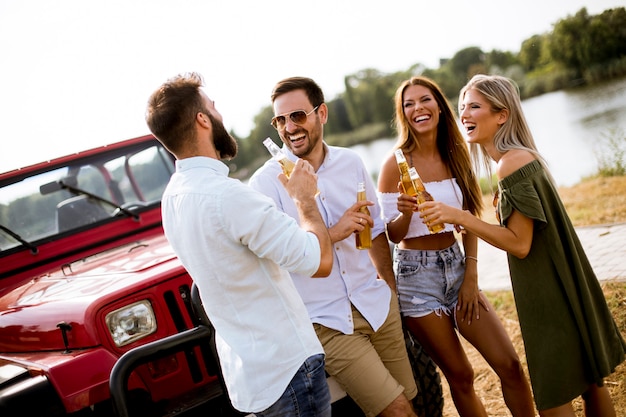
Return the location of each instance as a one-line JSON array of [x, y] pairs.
[[118, 381], [129, 361]]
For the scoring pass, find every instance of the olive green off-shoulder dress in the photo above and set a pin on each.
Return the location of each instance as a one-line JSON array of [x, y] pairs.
[[570, 337]]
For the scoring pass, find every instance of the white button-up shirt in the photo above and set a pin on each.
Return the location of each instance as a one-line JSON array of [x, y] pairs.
[[238, 247], [354, 279]]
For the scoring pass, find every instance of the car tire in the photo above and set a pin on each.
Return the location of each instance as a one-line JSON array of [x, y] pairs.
[[429, 399]]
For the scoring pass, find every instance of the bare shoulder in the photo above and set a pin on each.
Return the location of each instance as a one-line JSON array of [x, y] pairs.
[[389, 175], [513, 160]]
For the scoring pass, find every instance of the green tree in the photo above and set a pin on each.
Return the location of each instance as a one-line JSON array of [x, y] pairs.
[[262, 127], [463, 61], [576, 47], [608, 35], [565, 43], [338, 120], [252, 153], [532, 52], [360, 93], [498, 61], [581, 42], [449, 82]]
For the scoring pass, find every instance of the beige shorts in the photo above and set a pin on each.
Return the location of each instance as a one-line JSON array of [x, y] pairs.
[[372, 367]]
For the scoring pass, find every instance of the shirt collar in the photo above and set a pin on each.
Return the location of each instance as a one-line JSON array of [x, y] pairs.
[[202, 162]]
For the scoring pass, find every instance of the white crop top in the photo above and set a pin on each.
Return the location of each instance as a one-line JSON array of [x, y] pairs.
[[447, 191]]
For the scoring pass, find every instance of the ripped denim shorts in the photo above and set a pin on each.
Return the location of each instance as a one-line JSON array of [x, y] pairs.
[[428, 280]]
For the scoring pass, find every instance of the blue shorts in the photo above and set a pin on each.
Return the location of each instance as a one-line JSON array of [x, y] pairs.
[[428, 280]]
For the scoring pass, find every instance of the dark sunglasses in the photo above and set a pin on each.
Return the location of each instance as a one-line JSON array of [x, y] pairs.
[[297, 117]]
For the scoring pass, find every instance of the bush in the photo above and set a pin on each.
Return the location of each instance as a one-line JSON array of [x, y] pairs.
[[611, 153]]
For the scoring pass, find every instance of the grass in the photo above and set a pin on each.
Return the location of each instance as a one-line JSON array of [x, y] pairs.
[[596, 201], [486, 382], [592, 202]]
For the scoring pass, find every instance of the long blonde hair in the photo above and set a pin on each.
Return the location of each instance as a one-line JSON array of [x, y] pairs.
[[450, 142], [502, 94]]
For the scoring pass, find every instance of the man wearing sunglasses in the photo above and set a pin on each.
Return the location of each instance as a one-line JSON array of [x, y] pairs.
[[354, 313], [231, 239]]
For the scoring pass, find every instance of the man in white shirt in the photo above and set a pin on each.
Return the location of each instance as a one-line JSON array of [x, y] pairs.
[[238, 249], [355, 314]]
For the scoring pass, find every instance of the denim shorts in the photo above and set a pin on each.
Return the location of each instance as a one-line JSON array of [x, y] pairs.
[[307, 394], [428, 280]]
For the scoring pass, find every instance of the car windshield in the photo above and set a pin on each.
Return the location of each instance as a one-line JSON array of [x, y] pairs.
[[82, 193]]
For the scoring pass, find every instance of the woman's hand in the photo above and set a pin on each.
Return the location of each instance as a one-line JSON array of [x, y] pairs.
[[470, 300], [434, 212], [407, 205]]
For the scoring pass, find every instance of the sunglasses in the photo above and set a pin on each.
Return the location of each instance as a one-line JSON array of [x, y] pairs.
[[297, 117]]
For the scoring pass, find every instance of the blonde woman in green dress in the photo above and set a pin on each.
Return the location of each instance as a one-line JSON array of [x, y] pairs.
[[570, 337]]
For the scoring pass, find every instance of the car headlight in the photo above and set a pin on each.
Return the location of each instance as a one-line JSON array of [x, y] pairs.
[[131, 322]]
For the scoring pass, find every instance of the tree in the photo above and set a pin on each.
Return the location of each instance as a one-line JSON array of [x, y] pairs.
[[464, 60], [607, 32], [252, 153], [338, 120], [532, 52], [582, 41], [577, 45], [447, 81], [360, 93], [565, 43], [497, 61]]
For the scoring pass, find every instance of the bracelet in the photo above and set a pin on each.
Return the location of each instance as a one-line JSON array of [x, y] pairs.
[[470, 257]]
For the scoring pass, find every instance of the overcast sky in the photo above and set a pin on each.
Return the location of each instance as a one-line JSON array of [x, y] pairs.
[[76, 74]]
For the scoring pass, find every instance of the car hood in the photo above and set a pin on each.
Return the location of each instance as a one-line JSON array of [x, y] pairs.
[[33, 315]]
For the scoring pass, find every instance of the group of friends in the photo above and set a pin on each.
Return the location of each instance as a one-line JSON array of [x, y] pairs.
[[292, 298]]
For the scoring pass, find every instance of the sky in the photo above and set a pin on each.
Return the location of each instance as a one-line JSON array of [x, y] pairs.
[[76, 74]]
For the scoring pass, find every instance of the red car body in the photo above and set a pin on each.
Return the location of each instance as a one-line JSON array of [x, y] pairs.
[[87, 276], [58, 285]]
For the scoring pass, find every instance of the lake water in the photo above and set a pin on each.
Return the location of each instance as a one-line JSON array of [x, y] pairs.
[[570, 129]]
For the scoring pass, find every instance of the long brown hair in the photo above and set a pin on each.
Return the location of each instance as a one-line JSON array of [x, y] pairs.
[[450, 142]]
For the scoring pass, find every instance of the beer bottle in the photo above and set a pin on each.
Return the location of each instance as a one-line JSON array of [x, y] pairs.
[[363, 238], [279, 156], [405, 177], [422, 196]]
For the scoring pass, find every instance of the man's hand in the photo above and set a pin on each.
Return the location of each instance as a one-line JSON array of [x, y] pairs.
[[351, 222], [302, 183]]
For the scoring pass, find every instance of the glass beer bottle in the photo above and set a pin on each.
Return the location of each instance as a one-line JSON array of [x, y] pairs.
[[405, 177], [363, 238], [279, 156], [422, 196]]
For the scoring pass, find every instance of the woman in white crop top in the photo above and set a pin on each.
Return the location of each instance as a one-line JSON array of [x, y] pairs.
[[436, 281]]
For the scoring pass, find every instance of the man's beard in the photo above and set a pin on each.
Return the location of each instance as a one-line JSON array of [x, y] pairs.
[[224, 143], [314, 137]]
